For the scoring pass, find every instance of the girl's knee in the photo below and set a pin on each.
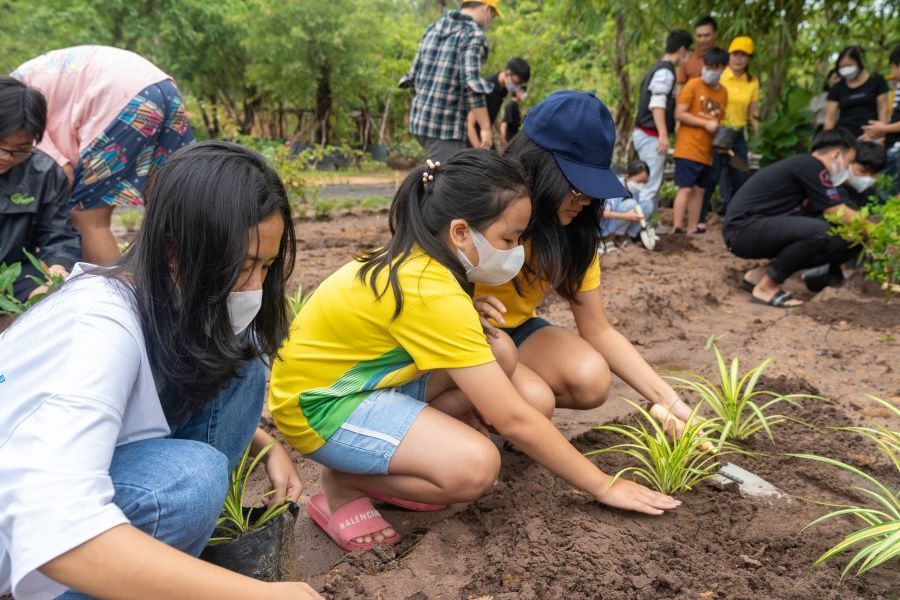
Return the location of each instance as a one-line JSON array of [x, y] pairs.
[[477, 468], [590, 380], [539, 395]]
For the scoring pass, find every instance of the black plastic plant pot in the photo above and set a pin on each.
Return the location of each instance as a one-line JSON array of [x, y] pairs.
[[266, 553]]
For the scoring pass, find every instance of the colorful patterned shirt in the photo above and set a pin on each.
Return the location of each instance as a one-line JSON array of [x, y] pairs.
[[446, 77]]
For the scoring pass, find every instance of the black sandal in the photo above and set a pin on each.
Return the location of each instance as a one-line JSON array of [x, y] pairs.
[[778, 300], [746, 285]]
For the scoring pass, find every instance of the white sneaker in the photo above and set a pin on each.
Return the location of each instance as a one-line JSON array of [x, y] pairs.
[[606, 248]]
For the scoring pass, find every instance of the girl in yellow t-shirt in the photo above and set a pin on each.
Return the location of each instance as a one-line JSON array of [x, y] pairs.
[[388, 347], [567, 161]]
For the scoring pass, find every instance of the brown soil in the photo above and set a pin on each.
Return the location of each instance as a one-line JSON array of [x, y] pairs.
[[535, 537]]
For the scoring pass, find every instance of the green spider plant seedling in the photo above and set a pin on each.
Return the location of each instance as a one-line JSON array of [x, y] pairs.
[[297, 300], [878, 540], [668, 465], [887, 441], [235, 519], [742, 410]]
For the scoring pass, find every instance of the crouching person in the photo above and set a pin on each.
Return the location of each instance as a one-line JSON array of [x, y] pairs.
[[129, 393], [34, 214]]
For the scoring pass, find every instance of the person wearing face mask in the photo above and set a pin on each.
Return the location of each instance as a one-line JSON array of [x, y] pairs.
[[871, 159], [623, 218], [389, 376], [507, 82], [512, 117], [777, 215], [446, 81], [858, 97], [131, 391], [701, 107], [655, 119], [567, 163], [34, 215]]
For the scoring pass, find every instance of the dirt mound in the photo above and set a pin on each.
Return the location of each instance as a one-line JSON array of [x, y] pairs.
[[534, 537], [675, 244], [873, 314]]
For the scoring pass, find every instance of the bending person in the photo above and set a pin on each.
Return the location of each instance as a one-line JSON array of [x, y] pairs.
[[391, 341], [131, 391], [112, 117], [567, 162], [34, 215], [778, 215]]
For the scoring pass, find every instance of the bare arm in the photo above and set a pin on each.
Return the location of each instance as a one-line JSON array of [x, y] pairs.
[[831, 114], [845, 213], [471, 132], [124, 562], [659, 119], [480, 115], [883, 107], [753, 115], [621, 216], [683, 116], [623, 359], [495, 398]]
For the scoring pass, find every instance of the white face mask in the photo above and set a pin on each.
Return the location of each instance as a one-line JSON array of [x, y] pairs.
[[635, 188], [243, 307], [848, 72], [860, 183], [710, 77], [839, 173], [495, 267]]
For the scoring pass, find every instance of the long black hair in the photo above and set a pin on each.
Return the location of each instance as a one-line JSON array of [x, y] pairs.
[[187, 257], [559, 255], [21, 107], [475, 185]]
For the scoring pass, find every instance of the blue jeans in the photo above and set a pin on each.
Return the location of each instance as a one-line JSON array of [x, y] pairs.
[[610, 227], [645, 146], [173, 488], [725, 176]]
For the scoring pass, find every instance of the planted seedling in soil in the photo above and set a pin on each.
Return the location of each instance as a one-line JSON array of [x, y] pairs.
[[741, 409], [876, 229], [879, 537], [667, 464], [235, 519]]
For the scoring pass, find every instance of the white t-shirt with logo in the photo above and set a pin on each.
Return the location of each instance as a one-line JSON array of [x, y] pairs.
[[76, 383]]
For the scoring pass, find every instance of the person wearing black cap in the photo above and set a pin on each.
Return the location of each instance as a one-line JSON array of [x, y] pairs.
[[566, 148]]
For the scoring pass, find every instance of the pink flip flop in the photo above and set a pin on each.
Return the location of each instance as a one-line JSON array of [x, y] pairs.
[[354, 519], [406, 504]]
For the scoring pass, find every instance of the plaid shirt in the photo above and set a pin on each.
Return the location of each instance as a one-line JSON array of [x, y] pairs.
[[446, 77]]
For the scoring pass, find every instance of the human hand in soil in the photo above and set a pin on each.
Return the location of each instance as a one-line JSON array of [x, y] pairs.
[[292, 590], [629, 495], [489, 307], [283, 475], [673, 426]]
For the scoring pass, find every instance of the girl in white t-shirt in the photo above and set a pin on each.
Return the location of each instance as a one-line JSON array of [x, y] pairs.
[[129, 393]]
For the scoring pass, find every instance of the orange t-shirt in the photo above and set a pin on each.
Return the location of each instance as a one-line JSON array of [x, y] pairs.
[[695, 143], [691, 68]]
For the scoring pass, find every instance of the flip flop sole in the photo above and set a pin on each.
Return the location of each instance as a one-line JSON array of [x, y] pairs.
[[406, 504]]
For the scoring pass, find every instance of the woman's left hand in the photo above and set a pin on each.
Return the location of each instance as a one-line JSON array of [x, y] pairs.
[[283, 475]]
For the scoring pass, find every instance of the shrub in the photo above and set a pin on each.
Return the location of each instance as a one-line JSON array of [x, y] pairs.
[[876, 229], [788, 130], [9, 274]]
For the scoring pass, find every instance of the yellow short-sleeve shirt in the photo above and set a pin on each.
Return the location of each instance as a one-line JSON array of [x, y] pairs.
[[344, 344], [741, 93], [521, 308]]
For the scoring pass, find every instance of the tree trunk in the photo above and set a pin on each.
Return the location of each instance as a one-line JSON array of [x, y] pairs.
[[382, 131], [792, 11], [323, 103], [624, 117]]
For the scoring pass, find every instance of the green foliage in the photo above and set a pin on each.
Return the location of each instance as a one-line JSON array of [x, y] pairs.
[[235, 519], [788, 130], [129, 219], [667, 465], [9, 274], [740, 408], [21, 199], [875, 228], [879, 536], [297, 301]]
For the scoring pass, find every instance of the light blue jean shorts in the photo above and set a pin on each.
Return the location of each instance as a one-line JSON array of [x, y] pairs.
[[365, 443]]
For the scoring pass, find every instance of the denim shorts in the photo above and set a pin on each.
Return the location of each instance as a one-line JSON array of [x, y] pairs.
[[365, 443], [690, 173], [521, 332]]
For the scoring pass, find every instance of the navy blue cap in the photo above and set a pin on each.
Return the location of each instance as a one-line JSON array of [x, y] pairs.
[[578, 129]]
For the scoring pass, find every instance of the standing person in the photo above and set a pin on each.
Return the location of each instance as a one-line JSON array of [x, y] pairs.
[[858, 97], [706, 30], [508, 81], [700, 109], [111, 117], [655, 119], [777, 215], [819, 104], [742, 110], [890, 131], [512, 117], [390, 339], [446, 80], [34, 214], [130, 392]]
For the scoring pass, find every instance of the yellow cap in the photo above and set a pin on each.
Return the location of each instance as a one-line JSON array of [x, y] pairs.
[[493, 4], [741, 44]]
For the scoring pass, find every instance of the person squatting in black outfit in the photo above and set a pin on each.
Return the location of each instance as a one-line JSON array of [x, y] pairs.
[[779, 214]]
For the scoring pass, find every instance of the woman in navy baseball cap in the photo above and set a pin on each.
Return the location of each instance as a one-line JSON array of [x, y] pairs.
[[566, 148]]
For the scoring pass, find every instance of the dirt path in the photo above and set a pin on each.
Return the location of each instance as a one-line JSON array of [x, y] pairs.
[[533, 537]]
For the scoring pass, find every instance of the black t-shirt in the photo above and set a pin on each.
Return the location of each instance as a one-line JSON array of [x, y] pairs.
[[893, 138], [859, 105], [796, 186], [512, 116]]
